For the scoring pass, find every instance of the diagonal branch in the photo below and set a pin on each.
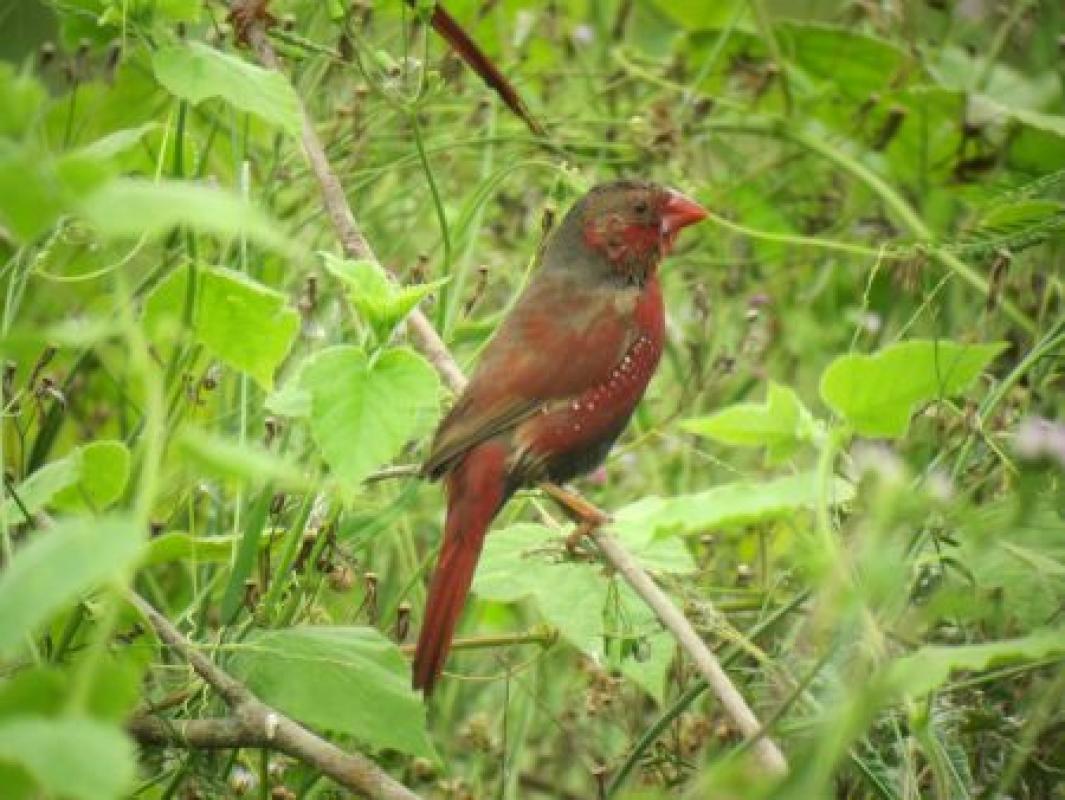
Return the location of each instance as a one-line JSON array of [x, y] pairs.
[[255, 724], [430, 344]]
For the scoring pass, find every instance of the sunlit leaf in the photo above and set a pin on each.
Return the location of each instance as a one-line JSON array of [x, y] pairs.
[[878, 393], [781, 424], [196, 72], [381, 302], [363, 411], [242, 463], [104, 472], [131, 207], [729, 505], [930, 667], [37, 491], [21, 98], [71, 757], [57, 566], [343, 679], [244, 323]]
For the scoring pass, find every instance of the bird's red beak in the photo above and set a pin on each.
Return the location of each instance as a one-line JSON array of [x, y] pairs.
[[680, 212]]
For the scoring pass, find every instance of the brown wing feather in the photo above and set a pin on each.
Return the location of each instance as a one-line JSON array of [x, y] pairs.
[[520, 370]]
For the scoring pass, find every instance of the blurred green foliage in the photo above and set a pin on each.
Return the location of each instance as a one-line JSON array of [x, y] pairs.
[[848, 471]]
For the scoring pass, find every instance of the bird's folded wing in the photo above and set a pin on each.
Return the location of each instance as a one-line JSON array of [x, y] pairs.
[[559, 341]]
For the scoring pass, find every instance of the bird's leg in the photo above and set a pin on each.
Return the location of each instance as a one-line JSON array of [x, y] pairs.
[[586, 515]]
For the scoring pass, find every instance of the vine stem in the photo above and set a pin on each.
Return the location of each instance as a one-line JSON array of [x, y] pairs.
[[428, 341], [255, 724]]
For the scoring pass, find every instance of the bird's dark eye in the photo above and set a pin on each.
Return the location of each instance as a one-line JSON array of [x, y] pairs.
[[640, 207]]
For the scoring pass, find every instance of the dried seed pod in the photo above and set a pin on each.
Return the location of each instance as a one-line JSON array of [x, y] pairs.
[[895, 117], [46, 54], [252, 595], [272, 426], [402, 621], [997, 277], [370, 602]]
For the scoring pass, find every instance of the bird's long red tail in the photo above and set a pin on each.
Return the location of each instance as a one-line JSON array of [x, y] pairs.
[[475, 489]]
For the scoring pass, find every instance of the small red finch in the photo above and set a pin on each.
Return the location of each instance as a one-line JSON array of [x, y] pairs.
[[557, 384]]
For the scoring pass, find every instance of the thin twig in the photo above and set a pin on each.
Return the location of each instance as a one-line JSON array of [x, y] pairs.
[[255, 724], [430, 344]]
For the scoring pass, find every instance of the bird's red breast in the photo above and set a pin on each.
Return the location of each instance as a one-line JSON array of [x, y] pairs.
[[558, 382]]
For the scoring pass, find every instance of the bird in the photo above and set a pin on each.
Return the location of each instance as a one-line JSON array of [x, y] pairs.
[[555, 386]]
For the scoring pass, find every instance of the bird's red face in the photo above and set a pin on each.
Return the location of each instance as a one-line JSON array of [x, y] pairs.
[[636, 226]]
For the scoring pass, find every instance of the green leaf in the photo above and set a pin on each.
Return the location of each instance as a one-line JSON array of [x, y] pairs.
[[196, 72], [21, 98], [343, 679], [375, 296], [727, 506], [126, 208], [245, 463], [242, 322], [57, 567], [363, 411], [118, 142], [179, 546], [780, 424], [1020, 217], [709, 16], [589, 610], [857, 63], [930, 667], [103, 475], [525, 561], [878, 393], [35, 189], [70, 756], [37, 491]]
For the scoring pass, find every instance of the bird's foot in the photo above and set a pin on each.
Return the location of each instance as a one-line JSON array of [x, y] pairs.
[[576, 507], [587, 517], [575, 540]]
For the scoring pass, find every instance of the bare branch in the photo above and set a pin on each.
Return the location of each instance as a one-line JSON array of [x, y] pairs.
[[255, 724], [430, 344]]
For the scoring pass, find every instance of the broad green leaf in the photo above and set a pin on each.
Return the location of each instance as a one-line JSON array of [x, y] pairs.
[[363, 411], [38, 490], [375, 296], [780, 424], [118, 142], [290, 399], [242, 322], [21, 98], [179, 546], [709, 16], [127, 208], [343, 679], [857, 63], [71, 757], [196, 72], [930, 667], [727, 506], [586, 607], [877, 393], [37, 691], [57, 566], [525, 561], [104, 473], [36, 189], [246, 463], [1029, 216]]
